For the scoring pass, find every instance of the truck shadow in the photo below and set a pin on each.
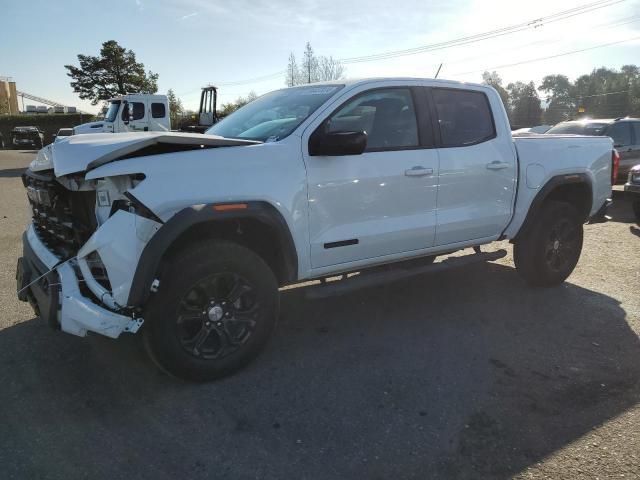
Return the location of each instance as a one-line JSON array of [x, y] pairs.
[[467, 374], [620, 210], [11, 172]]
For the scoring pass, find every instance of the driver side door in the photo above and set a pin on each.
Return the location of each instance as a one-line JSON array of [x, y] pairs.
[[383, 201]]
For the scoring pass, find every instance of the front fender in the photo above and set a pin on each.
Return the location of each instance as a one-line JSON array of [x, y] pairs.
[[197, 214]]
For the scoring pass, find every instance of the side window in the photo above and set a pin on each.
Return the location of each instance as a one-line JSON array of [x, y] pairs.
[[138, 110], [636, 131], [157, 110], [387, 116], [464, 116], [620, 133]]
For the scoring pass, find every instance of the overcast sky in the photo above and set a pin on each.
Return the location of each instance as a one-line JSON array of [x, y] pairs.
[[191, 43]]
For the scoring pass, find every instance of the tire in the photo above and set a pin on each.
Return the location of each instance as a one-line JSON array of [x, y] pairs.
[[550, 250], [194, 329], [635, 205]]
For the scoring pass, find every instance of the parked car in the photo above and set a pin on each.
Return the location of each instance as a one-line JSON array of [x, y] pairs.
[[536, 129], [625, 133], [27, 137], [62, 134], [193, 234], [632, 187]]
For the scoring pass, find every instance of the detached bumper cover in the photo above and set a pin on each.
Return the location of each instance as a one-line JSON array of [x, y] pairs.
[[57, 297]]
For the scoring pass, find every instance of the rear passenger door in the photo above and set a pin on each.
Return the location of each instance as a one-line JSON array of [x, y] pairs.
[[477, 167]]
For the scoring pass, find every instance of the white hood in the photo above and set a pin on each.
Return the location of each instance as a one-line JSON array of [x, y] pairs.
[[85, 152], [90, 127]]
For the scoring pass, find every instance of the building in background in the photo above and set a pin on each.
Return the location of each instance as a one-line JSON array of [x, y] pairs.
[[8, 96]]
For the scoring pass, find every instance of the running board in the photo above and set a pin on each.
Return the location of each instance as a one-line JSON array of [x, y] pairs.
[[377, 277]]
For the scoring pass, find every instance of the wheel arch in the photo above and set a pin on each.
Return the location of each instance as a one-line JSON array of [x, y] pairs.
[[574, 188], [255, 224]]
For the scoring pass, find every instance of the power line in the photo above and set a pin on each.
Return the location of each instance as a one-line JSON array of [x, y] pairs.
[[549, 57], [534, 23]]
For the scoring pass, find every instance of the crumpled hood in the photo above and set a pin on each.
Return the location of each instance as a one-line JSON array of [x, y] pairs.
[[85, 152]]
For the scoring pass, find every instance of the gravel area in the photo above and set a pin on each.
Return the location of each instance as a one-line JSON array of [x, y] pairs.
[[464, 374]]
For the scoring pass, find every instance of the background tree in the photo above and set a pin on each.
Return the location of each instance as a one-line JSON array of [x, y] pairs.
[[314, 68], [493, 79], [524, 105], [559, 95], [176, 110], [114, 72], [293, 74], [229, 108], [309, 65]]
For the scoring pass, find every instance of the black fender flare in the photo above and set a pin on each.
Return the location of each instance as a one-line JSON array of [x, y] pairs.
[[547, 189], [186, 218]]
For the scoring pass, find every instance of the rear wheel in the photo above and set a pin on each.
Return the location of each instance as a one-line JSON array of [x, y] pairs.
[[550, 250], [215, 310]]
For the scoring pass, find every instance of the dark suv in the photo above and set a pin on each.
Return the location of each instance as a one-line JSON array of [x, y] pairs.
[[27, 136], [625, 133]]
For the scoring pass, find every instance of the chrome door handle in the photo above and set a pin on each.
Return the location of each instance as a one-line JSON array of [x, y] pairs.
[[496, 165], [418, 171]]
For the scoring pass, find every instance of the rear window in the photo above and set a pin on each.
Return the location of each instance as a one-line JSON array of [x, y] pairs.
[[157, 110], [579, 128], [464, 117]]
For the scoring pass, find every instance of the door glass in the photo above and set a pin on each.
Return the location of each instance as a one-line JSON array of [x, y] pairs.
[[158, 110], [621, 134], [138, 110], [387, 116], [636, 131], [464, 117]]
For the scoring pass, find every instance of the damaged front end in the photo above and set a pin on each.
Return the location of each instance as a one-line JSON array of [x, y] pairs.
[[81, 250]]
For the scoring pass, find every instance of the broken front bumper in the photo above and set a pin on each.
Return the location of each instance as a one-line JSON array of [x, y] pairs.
[[52, 288]]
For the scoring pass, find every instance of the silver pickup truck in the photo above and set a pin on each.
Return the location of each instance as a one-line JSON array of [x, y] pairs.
[[192, 235]]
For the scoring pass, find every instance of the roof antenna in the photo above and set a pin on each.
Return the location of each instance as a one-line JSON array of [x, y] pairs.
[[438, 71]]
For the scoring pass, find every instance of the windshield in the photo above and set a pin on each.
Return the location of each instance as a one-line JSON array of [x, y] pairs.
[[275, 115], [579, 128], [111, 114], [65, 132]]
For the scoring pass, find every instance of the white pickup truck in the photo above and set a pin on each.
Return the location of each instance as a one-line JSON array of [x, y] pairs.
[[192, 235]]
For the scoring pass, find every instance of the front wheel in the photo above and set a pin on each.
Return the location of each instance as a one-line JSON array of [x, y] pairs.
[[550, 250], [215, 310]]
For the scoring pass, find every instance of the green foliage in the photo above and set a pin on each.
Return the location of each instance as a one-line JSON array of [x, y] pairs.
[[114, 72], [49, 123], [176, 110], [524, 105], [493, 79], [229, 108]]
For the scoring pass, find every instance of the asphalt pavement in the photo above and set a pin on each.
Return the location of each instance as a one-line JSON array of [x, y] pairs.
[[464, 374]]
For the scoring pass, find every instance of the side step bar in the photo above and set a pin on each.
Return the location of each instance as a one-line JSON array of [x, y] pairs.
[[376, 277]]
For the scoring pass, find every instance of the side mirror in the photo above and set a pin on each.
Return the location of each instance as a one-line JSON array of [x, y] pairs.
[[337, 143]]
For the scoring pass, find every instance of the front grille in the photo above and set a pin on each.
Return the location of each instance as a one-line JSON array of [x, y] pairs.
[[64, 220]]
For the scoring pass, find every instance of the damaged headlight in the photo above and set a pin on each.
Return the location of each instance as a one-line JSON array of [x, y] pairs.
[[43, 160]]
